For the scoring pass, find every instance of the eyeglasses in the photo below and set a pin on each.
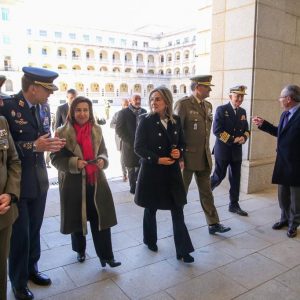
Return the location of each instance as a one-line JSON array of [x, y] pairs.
[[281, 97]]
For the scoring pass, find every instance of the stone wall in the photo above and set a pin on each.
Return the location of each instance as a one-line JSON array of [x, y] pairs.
[[255, 43]]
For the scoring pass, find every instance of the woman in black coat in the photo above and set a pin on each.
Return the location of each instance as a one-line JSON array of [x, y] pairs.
[[159, 143]]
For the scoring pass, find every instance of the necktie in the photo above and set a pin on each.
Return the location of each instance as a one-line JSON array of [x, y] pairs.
[[202, 105], [285, 119], [34, 114]]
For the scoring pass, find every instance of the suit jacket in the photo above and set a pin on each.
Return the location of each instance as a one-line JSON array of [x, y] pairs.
[[10, 169], [196, 124], [226, 127], [113, 124], [158, 186], [287, 164], [25, 130], [61, 115], [125, 129]]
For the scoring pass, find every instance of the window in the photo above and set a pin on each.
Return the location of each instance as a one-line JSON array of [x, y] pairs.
[[5, 14], [177, 42], [134, 43], [72, 36], [59, 52], [146, 44], [57, 34], [99, 39], [123, 42], [170, 43], [29, 31], [111, 40], [6, 40], [29, 50], [86, 37], [43, 33], [44, 51]]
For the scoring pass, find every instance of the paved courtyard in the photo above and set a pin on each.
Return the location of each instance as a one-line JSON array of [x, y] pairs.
[[251, 261]]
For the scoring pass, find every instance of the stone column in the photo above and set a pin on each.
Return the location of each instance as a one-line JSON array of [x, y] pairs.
[[256, 43]]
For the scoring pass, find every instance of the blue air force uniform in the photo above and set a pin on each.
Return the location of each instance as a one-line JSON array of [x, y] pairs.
[[228, 124], [26, 126]]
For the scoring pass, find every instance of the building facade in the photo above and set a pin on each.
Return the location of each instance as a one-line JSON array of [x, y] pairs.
[[102, 65]]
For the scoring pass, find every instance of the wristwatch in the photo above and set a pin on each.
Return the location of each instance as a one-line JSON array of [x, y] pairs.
[[34, 147]]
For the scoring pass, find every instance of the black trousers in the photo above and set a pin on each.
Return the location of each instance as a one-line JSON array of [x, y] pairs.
[[183, 243], [25, 247], [124, 169], [234, 176], [132, 176], [289, 202], [101, 239]]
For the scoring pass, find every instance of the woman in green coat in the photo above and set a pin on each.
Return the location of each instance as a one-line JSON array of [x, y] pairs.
[[84, 191]]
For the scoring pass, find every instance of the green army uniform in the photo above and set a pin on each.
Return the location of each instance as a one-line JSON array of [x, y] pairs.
[[10, 169], [196, 119]]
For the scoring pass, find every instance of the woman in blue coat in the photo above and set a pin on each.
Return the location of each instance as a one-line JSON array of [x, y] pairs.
[[159, 143]]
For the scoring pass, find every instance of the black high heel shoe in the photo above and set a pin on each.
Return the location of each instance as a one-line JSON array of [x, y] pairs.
[[81, 256], [111, 262], [187, 258]]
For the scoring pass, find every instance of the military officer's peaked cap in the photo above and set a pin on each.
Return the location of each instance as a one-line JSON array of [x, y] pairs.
[[202, 79], [239, 89], [41, 77]]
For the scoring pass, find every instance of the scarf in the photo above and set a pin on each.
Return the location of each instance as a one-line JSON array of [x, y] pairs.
[[84, 139], [136, 112]]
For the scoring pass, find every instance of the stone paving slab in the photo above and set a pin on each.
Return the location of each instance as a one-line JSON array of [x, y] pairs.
[[251, 261]]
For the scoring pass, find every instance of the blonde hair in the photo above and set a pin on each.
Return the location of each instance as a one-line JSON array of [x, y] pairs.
[[168, 99]]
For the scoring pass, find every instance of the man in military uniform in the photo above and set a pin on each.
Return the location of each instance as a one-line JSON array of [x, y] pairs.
[[231, 130], [10, 169], [196, 118], [31, 137]]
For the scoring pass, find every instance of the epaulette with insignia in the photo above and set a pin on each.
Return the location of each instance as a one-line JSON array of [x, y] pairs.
[[183, 99]]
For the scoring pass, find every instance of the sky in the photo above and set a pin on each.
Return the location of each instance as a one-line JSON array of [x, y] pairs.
[[115, 15]]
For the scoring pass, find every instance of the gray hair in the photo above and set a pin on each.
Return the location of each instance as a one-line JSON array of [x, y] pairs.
[[168, 98], [193, 85], [292, 91]]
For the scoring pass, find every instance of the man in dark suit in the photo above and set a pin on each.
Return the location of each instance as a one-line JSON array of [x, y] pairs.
[[31, 138], [287, 165], [231, 130], [62, 110], [113, 123], [125, 128]]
